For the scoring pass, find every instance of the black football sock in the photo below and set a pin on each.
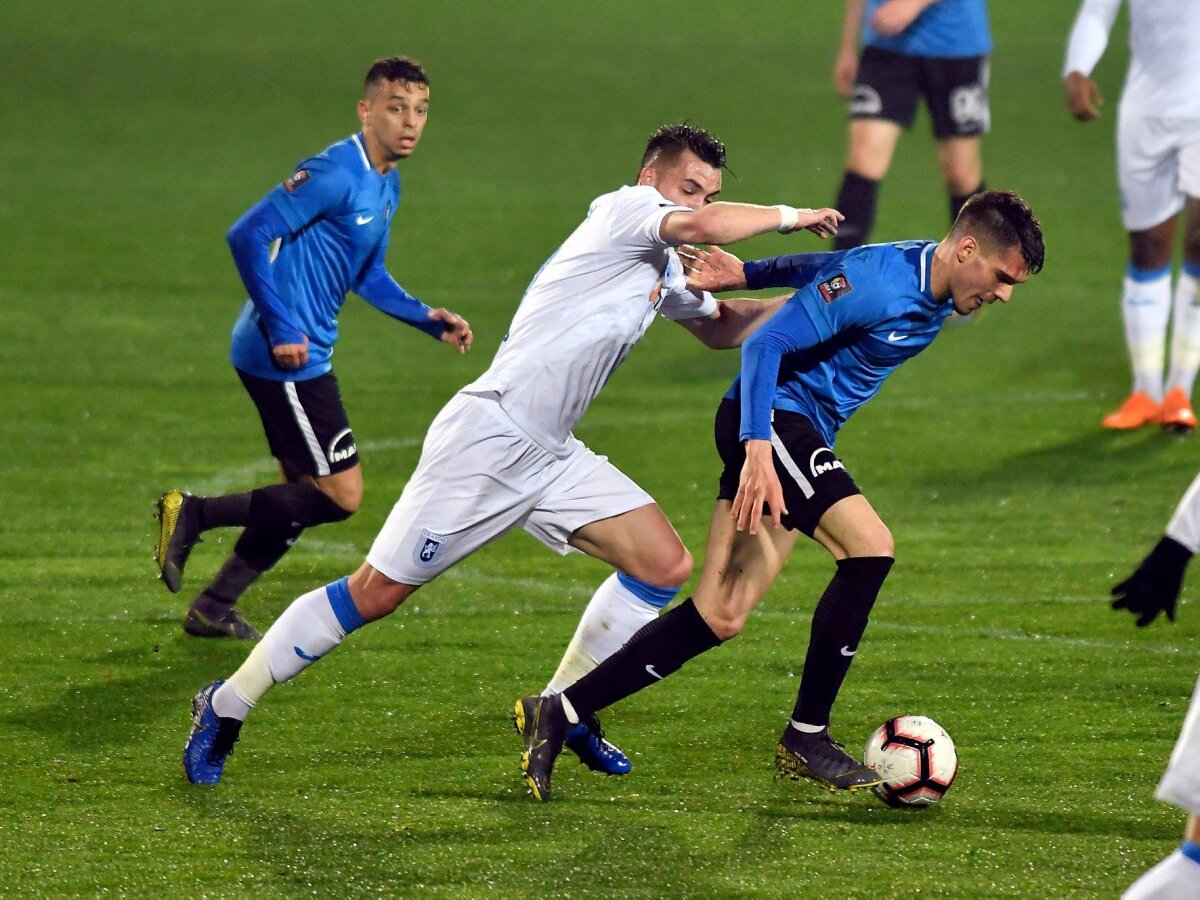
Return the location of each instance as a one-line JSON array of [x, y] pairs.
[[293, 504], [837, 626], [257, 550], [856, 201], [656, 650], [957, 200]]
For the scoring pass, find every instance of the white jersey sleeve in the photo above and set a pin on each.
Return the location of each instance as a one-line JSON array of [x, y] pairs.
[[1089, 35], [637, 216], [1185, 523], [679, 301]]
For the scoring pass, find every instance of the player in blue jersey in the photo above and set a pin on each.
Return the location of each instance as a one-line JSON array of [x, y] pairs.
[[319, 234], [936, 49], [856, 315]]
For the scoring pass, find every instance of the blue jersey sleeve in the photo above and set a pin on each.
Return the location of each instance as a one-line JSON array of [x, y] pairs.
[[794, 271], [791, 328], [317, 187], [381, 290], [250, 241]]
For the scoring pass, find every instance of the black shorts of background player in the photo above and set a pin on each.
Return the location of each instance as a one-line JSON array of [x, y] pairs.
[[882, 88]]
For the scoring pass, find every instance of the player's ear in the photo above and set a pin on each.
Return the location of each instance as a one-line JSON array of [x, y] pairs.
[[967, 247], [364, 109], [647, 175]]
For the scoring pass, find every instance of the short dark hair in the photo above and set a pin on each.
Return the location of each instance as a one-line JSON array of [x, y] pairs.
[[395, 68], [670, 141], [1002, 219]]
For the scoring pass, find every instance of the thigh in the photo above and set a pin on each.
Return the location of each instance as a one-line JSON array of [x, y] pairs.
[[886, 87], [851, 527], [812, 477], [739, 567], [305, 422], [956, 91], [1147, 171], [584, 490], [478, 477]]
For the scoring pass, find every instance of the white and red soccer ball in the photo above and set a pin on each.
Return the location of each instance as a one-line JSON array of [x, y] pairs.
[[915, 758]]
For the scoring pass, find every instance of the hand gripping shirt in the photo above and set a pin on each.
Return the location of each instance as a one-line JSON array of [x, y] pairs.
[[858, 314], [591, 301]]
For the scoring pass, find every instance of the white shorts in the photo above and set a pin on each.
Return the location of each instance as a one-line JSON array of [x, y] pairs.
[[1158, 164], [1180, 784], [480, 476]]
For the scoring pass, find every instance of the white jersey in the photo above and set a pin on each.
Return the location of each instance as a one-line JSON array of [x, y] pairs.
[[1164, 67], [583, 312]]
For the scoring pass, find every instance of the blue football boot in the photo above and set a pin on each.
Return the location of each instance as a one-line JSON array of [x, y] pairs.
[[211, 740], [586, 740]]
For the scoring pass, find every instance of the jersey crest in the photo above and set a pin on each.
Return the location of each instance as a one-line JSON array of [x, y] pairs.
[[296, 179], [834, 287]]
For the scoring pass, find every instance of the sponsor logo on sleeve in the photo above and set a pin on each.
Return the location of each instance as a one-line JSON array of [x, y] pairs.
[[834, 287], [296, 179], [429, 548]]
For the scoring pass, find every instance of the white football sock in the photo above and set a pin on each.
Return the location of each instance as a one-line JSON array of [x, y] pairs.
[[306, 631], [612, 617], [1185, 335], [1145, 307]]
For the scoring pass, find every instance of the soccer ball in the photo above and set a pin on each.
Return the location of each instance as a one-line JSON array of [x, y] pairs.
[[915, 758]]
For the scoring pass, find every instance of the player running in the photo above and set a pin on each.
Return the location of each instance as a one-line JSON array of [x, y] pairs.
[[1153, 588], [856, 316], [321, 233], [501, 454], [1158, 169]]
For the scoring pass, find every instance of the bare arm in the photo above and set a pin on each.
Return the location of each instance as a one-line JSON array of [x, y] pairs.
[[845, 68], [726, 223], [1089, 38], [894, 16], [733, 321]]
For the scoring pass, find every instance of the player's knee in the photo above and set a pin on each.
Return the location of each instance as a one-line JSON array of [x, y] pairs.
[[726, 623], [877, 541], [374, 594], [675, 570], [1151, 249], [1191, 241]]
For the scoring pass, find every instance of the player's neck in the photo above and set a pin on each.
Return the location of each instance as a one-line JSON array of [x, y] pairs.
[[376, 154], [939, 272]]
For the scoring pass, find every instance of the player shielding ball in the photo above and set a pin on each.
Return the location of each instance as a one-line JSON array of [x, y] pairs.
[[1158, 170], [855, 317], [321, 233], [500, 455], [1154, 588]]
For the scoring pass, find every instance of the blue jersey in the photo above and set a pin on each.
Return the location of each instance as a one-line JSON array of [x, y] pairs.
[[947, 28], [858, 314], [338, 209]]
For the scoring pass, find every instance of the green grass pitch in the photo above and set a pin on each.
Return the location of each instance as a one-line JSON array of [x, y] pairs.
[[133, 134]]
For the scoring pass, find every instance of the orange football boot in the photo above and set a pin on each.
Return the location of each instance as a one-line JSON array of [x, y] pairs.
[[1177, 412], [1137, 410]]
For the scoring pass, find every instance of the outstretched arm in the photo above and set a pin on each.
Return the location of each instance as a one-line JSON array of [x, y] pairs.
[[716, 270], [381, 290], [726, 223], [734, 321]]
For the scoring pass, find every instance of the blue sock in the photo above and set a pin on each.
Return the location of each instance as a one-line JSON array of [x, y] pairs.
[[347, 613], [1192, 268], [1191, 850], [650, 594]]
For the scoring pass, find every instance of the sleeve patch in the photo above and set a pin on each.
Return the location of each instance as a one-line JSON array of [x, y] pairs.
[[297, 178], [834, 287]]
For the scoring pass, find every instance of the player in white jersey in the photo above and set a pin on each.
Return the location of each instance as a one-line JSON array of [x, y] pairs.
[[501, 455], [1158, 169], [1154, 588]]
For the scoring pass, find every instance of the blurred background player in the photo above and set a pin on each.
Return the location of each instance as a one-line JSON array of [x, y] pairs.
[[321, 233], [856, 316], [1154, 588], [936, 49], [1158, 170], [501, 454]]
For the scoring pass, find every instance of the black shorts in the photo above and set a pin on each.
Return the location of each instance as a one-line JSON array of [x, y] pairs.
[[305, 423], [813, 478], [956, 91]]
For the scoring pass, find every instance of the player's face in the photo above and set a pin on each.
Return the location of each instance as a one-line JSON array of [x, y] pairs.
[[980, 278], [688, 180], [394, 113]]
